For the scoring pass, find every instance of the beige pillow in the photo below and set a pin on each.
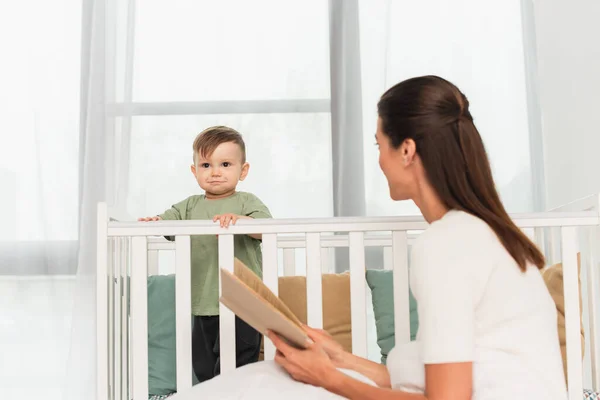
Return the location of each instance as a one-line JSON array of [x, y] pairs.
[[553, 276], [336, 304]]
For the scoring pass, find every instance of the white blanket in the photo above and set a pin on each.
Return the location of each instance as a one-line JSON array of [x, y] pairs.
[[261, 380]]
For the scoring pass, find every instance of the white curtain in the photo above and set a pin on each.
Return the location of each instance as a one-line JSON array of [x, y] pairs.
[[481, 47], [39, 103], [117, 90], [95, 167]]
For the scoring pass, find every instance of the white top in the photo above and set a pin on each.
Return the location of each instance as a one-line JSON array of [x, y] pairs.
[[476, 305]]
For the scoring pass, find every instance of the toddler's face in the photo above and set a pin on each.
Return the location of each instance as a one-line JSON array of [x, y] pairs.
[[219, 173]]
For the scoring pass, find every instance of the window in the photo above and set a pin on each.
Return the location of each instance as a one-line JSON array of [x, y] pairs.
[[289, 156], [477, 46], [263, 70]]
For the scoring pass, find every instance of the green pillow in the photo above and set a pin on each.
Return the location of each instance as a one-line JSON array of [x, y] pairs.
[[162, 357], [381, 283], [162, 375]]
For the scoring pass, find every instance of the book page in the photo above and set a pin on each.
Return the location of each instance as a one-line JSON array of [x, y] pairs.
[[256, 311], [247, 276]]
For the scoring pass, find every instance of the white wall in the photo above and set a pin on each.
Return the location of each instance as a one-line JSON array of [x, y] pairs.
[[568, 56]]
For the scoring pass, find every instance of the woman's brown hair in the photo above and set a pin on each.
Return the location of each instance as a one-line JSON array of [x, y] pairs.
[[435, 115]]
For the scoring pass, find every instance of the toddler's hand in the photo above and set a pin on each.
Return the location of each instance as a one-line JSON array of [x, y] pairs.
[[147, 219], [226, 219]]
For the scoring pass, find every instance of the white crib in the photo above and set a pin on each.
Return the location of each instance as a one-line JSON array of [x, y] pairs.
[[128, 252]]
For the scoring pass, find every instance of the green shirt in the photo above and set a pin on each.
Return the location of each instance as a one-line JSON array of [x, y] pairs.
[[205, 254]]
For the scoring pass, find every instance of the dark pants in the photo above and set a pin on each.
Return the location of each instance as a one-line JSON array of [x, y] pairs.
[[205, 346]]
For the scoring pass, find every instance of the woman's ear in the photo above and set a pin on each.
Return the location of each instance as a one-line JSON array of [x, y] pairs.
[[409, 150]]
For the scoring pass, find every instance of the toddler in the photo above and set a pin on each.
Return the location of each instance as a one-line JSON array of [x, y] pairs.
[[219, 165]]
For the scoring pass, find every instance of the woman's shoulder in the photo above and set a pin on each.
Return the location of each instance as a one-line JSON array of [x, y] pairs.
[[457, 226], [458, 250], [457, 235]]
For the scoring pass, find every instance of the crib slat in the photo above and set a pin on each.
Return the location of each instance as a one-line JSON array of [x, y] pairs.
[[139, 317], [592, 280], [358, 290], [153, 262], [314, 294], [270, 278], [116, 256], [554, 245], [226, 317], [530, 232], [125, 366], [102, 302], [540, 239], [401, 306], [289, 262], [572, 325], [111, 318], [326, 266], [183, 312]]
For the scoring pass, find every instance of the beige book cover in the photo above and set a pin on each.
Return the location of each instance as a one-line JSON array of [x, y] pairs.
[[244, 293]]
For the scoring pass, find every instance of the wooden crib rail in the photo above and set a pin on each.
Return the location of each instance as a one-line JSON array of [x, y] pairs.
[[591, 249], [126, 251]]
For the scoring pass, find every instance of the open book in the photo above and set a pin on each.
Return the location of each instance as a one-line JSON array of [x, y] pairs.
[[244, 293]]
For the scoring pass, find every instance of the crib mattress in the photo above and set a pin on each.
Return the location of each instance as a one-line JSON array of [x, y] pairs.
[[587, 395], [160, 396]]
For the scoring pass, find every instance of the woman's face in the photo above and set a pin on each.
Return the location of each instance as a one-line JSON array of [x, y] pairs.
[[395, 165]]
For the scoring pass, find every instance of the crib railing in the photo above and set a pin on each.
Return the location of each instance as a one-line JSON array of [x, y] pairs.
[[590, 250], [128, 252], [287, 246]]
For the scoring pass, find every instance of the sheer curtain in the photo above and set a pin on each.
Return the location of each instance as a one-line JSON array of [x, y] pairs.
[[39, 103], [113, 93], [96, 133], [482, 48]]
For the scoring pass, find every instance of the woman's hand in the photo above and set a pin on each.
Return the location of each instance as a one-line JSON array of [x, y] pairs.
[[311, 365], [343, 359], [334, 350]]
